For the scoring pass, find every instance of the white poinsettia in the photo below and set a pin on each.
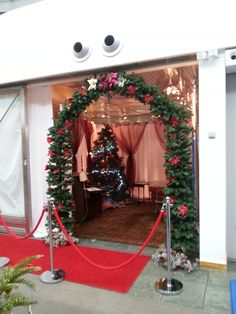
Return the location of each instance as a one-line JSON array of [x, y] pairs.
[[178, 260], [121, 81], [92, 83]]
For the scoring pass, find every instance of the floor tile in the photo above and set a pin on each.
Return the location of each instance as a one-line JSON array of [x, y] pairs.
[[231, 266], [192, 295], [203, 289], [217, 297], [216, 310], [220, 278]]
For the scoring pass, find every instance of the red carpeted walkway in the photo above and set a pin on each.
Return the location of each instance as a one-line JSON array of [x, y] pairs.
[[77, 270]]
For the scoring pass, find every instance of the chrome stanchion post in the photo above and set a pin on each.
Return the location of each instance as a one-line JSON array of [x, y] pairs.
[[53, 275], [83, 178], [168, 285]]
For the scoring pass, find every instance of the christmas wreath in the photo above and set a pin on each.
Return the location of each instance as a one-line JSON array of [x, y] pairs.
[[176, 119]]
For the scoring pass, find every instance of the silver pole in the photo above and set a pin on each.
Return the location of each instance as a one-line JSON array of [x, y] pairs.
[[53, 275], [50, 235], [168, 241], [168, 285]]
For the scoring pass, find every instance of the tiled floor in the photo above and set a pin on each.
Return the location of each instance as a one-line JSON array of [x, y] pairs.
[[206, 290]]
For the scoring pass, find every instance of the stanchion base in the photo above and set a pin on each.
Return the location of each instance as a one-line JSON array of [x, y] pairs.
[[168, 286], [4, 261], [51, 277]]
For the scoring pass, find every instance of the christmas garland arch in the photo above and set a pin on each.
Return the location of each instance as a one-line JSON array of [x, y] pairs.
[[176, 119]]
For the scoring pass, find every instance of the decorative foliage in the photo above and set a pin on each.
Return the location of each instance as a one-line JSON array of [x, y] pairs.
[[176, 119], [59, 239], [178, 260], [11, 277], [106, 165]]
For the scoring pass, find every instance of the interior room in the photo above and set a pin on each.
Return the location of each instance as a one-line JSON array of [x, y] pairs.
[[120, 152]]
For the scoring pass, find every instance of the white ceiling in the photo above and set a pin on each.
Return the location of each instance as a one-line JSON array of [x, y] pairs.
[[121, 109]]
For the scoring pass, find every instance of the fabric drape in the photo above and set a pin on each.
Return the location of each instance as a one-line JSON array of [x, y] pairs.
[[88, 131], [160, 133], [81, 128], [128, 138], [77, 136]]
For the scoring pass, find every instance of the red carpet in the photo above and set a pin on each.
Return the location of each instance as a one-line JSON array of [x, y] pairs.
[[77, 270]]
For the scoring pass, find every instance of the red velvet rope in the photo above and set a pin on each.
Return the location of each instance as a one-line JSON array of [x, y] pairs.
[[27, 235], [108, 267]]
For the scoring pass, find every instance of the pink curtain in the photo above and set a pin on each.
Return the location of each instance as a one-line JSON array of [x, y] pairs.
[[160, 133], [77, 136], [88, 131], [80, 128], [128, 139]]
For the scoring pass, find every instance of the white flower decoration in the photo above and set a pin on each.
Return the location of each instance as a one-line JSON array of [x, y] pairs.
[[121, 81], [92, 83]]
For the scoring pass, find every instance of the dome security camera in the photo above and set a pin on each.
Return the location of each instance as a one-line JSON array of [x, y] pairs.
[[111, 46], [233, 55], [81, 52]]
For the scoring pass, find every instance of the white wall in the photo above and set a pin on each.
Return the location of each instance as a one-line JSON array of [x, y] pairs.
[[212, 160], [37, 40], [231, 166], [40, 119], [6, 5]]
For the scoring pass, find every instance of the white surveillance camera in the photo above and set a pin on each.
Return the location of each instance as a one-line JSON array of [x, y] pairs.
[[111, 46], [233, 55], [81, 52]]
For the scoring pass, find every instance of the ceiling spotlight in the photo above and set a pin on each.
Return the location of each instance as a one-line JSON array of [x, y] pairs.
[[81, 52], [111, 46]]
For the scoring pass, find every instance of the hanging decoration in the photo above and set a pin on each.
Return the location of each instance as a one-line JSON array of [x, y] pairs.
[[176, 119]]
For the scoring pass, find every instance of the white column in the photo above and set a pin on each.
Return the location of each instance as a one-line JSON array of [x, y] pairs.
[[212, 158], [231, 166], [39, 102]]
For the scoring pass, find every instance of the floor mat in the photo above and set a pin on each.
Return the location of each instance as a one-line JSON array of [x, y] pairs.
[[77, 269]]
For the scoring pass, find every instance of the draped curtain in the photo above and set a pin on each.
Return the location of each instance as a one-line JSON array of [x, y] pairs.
[[160, 133], [88, 131], [80, 129], [128, 139], [77, 136]]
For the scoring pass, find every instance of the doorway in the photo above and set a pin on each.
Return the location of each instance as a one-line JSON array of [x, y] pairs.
[[178, 82]]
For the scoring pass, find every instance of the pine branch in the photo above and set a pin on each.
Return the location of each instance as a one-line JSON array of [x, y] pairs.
[[26, 261], [11, 278], [14, 301]]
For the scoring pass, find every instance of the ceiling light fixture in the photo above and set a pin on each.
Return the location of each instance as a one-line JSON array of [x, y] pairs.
[[178, 90]]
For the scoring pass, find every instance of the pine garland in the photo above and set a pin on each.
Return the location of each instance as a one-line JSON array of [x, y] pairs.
[[176, 119]]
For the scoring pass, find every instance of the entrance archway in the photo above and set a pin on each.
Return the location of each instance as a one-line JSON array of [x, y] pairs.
[[176, 119]]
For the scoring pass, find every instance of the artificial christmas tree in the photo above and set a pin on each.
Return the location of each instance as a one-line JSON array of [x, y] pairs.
[[106, 166]]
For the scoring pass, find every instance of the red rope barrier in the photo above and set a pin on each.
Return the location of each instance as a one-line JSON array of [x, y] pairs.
[[108, 267], [27, 235]]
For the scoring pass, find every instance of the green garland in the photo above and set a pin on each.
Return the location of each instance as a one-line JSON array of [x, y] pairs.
[[176, 119]]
